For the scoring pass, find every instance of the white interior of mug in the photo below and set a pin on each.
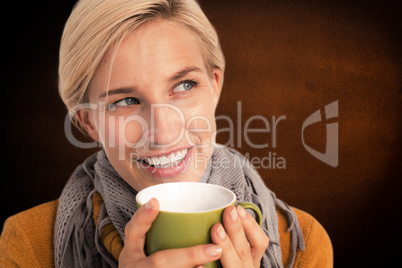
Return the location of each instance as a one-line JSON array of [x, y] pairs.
[[184, 197]]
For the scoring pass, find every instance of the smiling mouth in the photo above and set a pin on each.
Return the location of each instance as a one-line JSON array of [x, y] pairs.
[[166, 161]]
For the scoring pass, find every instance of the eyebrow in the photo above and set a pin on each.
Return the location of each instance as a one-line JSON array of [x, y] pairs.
[[115, 92], [184, 72], [174, 77]]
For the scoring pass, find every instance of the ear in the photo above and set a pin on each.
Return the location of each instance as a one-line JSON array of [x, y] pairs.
[[86, 119], [216, 85]]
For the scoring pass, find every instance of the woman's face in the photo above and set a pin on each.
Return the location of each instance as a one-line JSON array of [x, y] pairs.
[[155, 107]]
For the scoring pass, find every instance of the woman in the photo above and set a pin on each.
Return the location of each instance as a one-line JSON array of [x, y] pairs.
[[143, 78]]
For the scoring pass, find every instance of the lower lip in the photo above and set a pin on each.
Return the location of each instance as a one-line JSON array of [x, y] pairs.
[[170, 171]]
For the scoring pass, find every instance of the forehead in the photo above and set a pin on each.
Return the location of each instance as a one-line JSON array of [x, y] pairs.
[[151, 52], [158, 36]]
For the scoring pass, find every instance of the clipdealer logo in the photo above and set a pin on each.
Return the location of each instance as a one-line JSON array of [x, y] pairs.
[[236, 131], [330, 156]]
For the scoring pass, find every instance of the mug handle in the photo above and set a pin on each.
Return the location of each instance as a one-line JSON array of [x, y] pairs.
[[254, 208]]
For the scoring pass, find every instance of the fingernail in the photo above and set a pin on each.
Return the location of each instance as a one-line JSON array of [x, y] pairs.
[[241, 211], [233, 214], [221, 233], [213, 250], [148, 205]]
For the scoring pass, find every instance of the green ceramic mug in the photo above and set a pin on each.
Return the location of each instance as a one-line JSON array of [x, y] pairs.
[[187, 212]]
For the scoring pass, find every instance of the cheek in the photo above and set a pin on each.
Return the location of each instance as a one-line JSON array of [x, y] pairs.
[[200, 121], [132, 130], [123, 131]]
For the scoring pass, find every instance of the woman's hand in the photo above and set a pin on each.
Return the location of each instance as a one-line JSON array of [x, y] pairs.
[[133, 254], [241, 238]]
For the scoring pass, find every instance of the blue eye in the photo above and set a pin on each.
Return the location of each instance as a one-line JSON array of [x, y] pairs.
[[124, 102], [185, 86]]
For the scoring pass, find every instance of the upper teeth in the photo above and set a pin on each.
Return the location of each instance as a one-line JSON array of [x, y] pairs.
[[165, 160]]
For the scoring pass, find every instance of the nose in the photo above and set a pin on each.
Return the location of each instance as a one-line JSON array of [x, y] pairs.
[[167, 125]]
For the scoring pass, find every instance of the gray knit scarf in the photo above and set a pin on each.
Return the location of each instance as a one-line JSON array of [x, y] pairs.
[[77, 239]]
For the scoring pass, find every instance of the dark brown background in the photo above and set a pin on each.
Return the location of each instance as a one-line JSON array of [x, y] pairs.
[[283, 58]]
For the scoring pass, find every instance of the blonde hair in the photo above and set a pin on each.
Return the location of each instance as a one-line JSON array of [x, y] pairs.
[[96, 26]]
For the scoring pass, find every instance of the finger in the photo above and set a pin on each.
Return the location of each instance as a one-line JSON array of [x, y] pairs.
[[255, 235], [234, 229], [184, 257], [229, 256], [138, 226]]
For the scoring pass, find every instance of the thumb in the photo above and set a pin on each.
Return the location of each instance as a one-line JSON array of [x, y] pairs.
[[136, 229]]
